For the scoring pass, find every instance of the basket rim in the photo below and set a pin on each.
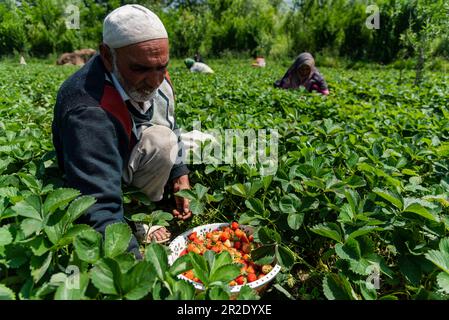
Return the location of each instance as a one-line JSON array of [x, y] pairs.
[[233, 289]]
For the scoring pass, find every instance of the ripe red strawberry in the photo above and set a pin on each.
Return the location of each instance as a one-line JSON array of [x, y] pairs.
[[234, 225], [252, 277], [189, 274], [224, 236], [239, 233], [240, 280], [237, 245], [192, 236]]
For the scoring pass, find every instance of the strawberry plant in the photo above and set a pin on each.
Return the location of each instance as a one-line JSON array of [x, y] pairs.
[[357, 207]]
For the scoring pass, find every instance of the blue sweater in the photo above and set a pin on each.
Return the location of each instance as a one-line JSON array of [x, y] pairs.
[[93, 137]]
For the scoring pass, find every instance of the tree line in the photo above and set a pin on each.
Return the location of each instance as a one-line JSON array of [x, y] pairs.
[[217, 28]]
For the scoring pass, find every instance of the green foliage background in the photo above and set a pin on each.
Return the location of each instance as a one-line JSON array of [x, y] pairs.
[[362, 185], [223, 28]]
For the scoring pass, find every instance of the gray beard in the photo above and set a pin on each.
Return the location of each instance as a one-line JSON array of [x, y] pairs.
[[134, 94]]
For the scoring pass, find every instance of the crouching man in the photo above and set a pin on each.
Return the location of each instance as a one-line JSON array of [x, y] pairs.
[[114, 121]]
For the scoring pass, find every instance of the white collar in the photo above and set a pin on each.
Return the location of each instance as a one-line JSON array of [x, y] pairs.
[[146, 105]]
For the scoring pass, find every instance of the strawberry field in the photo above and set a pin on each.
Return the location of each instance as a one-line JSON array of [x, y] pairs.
[[357, 208]]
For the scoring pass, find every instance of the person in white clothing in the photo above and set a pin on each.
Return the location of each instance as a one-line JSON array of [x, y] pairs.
[[197, 66]]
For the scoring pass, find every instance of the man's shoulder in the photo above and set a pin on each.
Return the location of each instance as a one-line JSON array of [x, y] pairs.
[[84, 87]]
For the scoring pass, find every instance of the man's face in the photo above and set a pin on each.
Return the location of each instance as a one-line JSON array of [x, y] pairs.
[[140, 68]]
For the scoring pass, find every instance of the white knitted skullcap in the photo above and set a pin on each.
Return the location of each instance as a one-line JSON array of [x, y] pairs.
[[131, 24]]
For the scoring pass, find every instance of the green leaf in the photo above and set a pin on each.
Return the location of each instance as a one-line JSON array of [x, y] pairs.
[[197, 207], [200, 267], [5, 236], [295, 220], [181, 265], [6, 293], [411, 269], [105, 276], [329, 230], [443, 282], [58, 199], [346, 213], [71, 234], [420, 210], [368, 293], [39, 266], [30, 226], [117, 238], [364, 231], [360, 266], [225, 273], [30, 208], [79, 206], [54, 227], [161, 218], [254, 187], [138, 281], [264, 254], [218, 293], [31, 182], [246, 293], [267, 236], [186, 193], [40, 245], [16, 256], [218, 260], [349, 250], [290, 203], [255, 205], [238, 190], [125, 261], [200, 191], [337, 287], [156, 255], [282, 290], [440, 257], [184, 290], [284, 256], [394, 199], [88, 246]]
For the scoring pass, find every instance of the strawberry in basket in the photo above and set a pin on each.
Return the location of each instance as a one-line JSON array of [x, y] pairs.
[[237, 242]]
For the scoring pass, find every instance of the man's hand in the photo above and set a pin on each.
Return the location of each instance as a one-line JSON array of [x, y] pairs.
[[182, 210]]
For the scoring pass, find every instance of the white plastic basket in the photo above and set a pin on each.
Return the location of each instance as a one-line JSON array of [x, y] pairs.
[[180, 243]]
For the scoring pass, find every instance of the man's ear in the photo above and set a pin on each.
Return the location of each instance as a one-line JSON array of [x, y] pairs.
[[106, 56]]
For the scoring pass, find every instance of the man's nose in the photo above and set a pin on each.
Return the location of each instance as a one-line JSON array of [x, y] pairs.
[[154, 79]]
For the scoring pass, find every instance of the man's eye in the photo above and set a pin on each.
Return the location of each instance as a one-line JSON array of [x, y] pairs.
[[139, 69]]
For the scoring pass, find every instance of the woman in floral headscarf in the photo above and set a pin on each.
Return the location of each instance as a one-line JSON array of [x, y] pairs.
[[303, 73]]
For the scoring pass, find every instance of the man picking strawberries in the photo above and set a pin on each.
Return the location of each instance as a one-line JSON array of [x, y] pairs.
[[114, 121]]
